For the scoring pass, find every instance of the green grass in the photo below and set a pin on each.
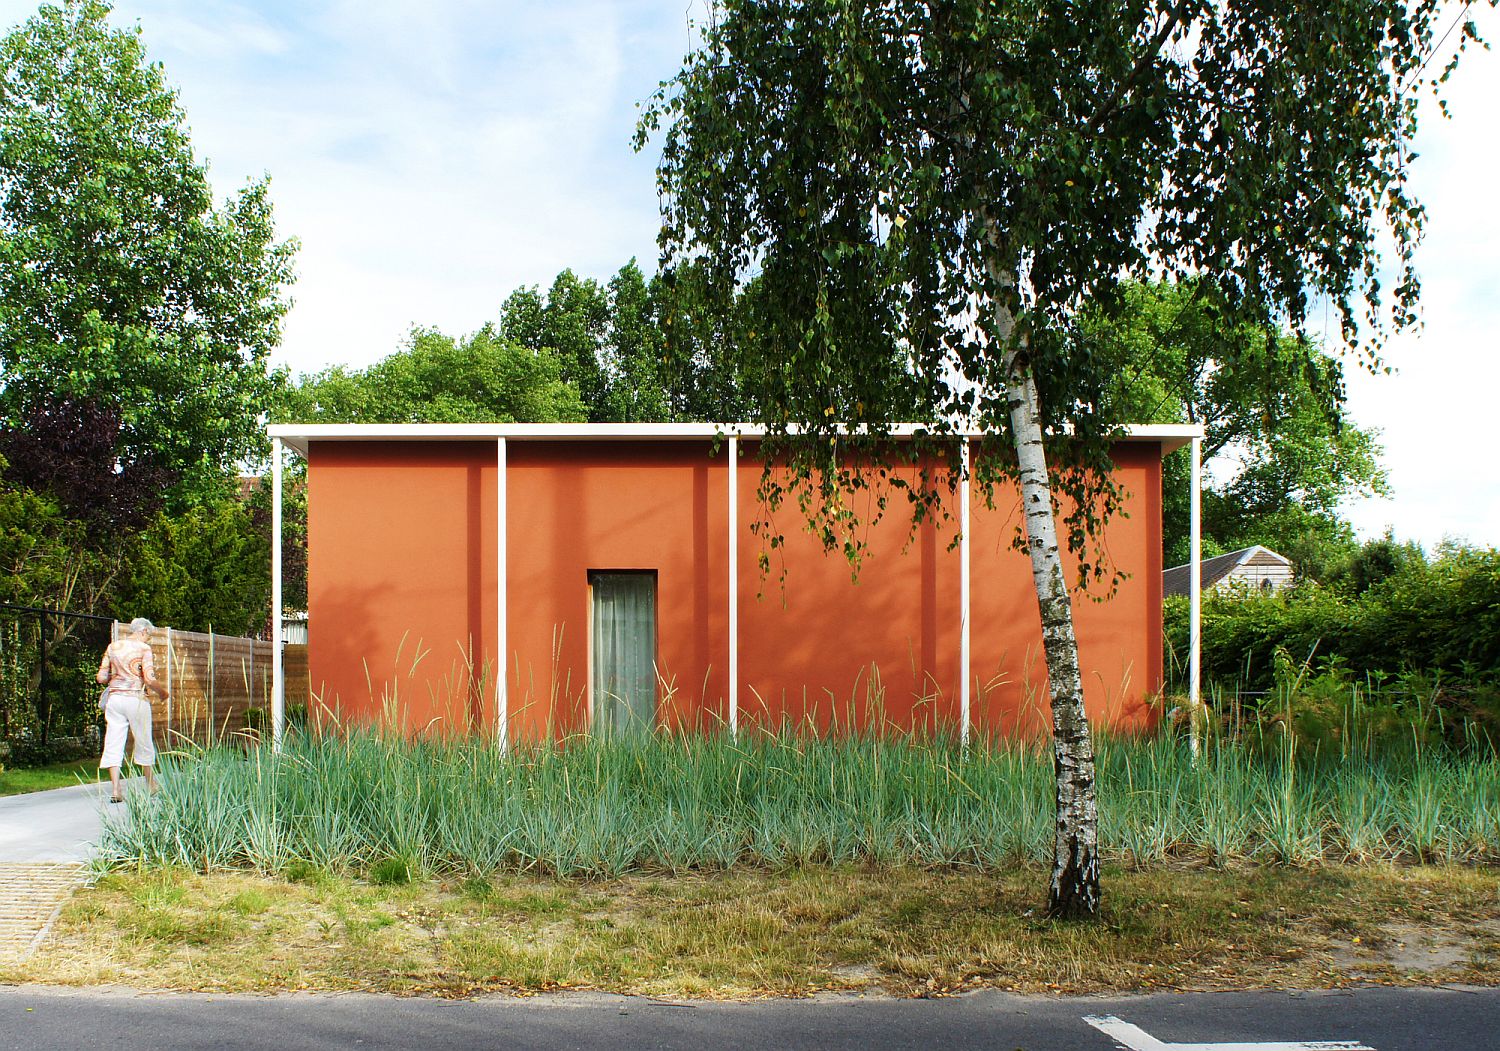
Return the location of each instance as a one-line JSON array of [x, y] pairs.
[[41, 778], [395, 810]]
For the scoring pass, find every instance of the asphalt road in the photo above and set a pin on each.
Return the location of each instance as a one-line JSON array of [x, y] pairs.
[[1447, 1019]]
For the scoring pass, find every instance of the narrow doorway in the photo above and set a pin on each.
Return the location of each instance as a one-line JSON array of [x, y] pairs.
[[622, 647]]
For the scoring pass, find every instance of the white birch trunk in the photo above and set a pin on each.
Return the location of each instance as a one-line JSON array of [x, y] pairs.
[[1074, 889]]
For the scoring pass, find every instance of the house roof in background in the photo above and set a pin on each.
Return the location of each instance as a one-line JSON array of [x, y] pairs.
[[1175, 581], [1170, 436]]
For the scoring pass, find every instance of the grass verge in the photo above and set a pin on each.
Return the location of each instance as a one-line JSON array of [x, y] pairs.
[[745, 933], [41, 778]]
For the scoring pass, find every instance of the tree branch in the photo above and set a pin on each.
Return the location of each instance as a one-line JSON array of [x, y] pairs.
[[1174, 19]]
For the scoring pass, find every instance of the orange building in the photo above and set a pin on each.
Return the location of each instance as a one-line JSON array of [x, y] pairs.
[[612, 572]]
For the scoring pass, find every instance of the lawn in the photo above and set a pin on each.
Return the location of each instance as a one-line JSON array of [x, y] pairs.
[[900, 929], [41, 778]]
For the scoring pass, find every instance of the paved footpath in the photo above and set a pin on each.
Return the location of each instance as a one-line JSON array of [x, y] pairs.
[[45, 840], [60, 825], [1383, 1019]]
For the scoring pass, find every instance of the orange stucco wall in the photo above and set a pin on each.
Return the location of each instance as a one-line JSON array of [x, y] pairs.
[[578, 506], [401, 576], [1119, 639], [401, 580]]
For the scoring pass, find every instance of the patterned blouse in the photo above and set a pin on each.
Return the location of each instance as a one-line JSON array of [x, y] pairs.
[[130, 666]]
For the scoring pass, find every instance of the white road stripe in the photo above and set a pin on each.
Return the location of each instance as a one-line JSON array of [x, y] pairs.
[[1134, 1038]]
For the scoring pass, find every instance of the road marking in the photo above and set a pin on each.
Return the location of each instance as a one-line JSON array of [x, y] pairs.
[[1134, 1038]]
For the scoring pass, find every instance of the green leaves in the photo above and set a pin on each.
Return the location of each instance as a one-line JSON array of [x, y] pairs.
[[482, 378], [204, 569], [121, 283], [1441, 617], [1259, 144], [36, 545], [571, 322], [1280, 454]]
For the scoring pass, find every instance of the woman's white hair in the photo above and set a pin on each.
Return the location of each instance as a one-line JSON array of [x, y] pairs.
[[139, 625]]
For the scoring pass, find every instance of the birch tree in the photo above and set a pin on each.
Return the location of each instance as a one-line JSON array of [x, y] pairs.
[[926, 193]]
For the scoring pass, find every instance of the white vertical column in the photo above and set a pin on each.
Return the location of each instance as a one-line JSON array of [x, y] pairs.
[[734, 588], [278, 686], [212, 712], [502, 589], [169, 682], [963, 592], [1195, 588]]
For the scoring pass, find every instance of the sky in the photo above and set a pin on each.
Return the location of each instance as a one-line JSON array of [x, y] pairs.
[[431, 157]]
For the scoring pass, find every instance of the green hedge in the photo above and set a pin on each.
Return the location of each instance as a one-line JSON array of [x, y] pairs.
[[1438, 617]]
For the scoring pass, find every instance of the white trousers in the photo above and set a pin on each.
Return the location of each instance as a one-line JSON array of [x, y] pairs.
[[122, 712]]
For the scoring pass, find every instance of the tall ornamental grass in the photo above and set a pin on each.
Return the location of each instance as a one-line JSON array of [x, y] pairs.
[[366, 802]]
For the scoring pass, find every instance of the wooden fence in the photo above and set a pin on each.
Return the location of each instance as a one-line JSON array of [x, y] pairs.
[[217, 684]]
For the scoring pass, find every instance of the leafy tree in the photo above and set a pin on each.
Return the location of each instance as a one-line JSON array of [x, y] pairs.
[[1278, 453], [202, 570], [705, 372], [637, 350], [47, 559], [958, 179], [67, 449], [635, 356], [36, 541], [72, 506], [1380, 559], [122, 286], [483, 378], [572, 321], [619, 348]]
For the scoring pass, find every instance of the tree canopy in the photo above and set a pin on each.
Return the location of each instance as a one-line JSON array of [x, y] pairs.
[[137, 316], [571, 321], [1279, 451], [201, 570], [481, 378], [635, 350], [124, 289]]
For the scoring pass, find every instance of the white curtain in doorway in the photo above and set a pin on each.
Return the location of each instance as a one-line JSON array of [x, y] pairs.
[[624, 649]]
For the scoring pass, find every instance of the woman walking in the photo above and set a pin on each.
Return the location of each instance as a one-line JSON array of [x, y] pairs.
[[130, 671]]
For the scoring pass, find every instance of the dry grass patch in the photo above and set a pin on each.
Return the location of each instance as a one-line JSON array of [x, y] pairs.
[[749, 933]]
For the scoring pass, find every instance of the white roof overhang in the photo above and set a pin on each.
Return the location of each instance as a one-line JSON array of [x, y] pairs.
[[299, 436]]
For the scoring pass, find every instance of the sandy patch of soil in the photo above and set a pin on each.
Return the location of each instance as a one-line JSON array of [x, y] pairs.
[[1404, 948]]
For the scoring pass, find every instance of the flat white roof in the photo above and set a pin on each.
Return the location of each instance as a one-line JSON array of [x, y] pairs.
[[1171, 436]]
